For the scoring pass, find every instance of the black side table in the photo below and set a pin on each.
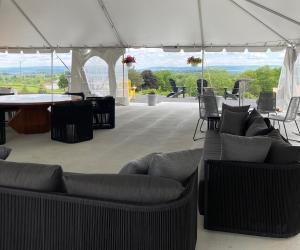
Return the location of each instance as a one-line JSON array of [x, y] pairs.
[[213, 122]]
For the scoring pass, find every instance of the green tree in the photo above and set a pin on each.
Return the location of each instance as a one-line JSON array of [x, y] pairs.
[[42, 89], [63, 82], [135, 77]]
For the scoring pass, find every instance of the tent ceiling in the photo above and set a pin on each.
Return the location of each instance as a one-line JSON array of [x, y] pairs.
[[144, 23]]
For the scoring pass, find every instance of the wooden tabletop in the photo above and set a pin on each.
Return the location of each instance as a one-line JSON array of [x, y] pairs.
[[36, 99]]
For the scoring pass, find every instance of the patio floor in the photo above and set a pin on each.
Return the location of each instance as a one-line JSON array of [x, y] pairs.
[[139, 130]]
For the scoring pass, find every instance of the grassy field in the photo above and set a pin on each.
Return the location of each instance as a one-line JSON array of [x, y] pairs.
[[30, 84]]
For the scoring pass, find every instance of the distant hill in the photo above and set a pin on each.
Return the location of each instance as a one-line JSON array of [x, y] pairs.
[[62, 69], [231, 69]]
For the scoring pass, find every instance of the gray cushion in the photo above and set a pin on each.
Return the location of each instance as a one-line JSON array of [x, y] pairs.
[[245, 149], [281, 152], [130, 188], [39, 177], [233, 122], [139, 166], [252, 117], [257, 127], [4, 152], [175, 165]]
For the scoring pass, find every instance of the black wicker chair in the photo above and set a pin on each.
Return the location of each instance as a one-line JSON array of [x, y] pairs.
[[103, 112], [176, 90], [2, 127], [201, 85], [76, 93], [234, 94], [35, 221], [252, 198], [72, 122]]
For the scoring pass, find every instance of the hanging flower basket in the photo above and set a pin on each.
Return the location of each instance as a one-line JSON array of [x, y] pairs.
[[128, 60], [194, 61]]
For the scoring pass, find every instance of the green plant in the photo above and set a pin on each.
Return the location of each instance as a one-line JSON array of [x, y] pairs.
[[63, 82], [150, 92]]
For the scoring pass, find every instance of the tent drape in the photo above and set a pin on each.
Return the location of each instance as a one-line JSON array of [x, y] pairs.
[[289, 81]]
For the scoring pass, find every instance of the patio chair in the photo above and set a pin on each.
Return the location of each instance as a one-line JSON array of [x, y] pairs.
[[103, 112], [72, 122], [266, 103], [290, 115], [2, 127], [76, 93], [208, 108], [234, 94], [176, 90], [201, 86]]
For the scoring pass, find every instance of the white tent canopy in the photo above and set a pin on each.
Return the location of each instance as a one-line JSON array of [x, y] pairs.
[[214, 24]]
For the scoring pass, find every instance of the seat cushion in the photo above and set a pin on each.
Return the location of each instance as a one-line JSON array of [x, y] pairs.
[[244, 149], [175, 165], [38, 177], [282, 152], [128, 188], [233, 122]]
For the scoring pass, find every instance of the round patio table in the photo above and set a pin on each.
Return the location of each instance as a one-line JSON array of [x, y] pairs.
[[32, 115]]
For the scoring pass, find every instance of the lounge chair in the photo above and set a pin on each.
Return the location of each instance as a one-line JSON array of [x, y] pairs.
[[234, 94], [290, 115], [176, 90]]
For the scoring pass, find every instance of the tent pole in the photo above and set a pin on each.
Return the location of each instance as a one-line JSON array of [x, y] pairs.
[[52, 51], [260, 21], [274, 12], [123, 68], [202, 70]]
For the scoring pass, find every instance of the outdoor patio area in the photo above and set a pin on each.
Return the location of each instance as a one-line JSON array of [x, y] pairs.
[[139, 130]]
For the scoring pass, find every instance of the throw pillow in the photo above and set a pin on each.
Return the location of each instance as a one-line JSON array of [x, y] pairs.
[[39, 177], [233, 122], [130, 188], [235, 108], [176, 165], [252, 117], [244, 149], [282, 152], [257, 127], [139, 166]]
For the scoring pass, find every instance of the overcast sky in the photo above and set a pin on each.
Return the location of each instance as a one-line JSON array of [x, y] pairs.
[[146, 58]]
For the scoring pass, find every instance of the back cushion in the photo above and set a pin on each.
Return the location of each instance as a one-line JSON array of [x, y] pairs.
[[233, 122], [38, 177], [175, 165], [130, 188]]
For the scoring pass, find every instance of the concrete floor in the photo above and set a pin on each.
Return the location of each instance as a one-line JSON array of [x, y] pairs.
[[139, 130]]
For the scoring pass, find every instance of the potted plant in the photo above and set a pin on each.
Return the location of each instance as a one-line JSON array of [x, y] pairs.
[[128, 60], [194, 61], [152, 97]]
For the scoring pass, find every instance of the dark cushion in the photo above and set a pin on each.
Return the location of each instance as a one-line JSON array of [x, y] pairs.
[[39, 177], [252, 117], [258, 127], [4, 152], [281, 152], [175, 165], [139, 166], [244, 149], [233, 122], [235, 108], [130, 188]]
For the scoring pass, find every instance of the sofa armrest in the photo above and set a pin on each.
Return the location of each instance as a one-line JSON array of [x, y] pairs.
[[252, 198]]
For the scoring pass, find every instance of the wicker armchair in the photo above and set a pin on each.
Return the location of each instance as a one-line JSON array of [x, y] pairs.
[[252, 198]]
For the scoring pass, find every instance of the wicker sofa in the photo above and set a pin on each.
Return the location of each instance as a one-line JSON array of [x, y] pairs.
[[250, 198], [33, 220]]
